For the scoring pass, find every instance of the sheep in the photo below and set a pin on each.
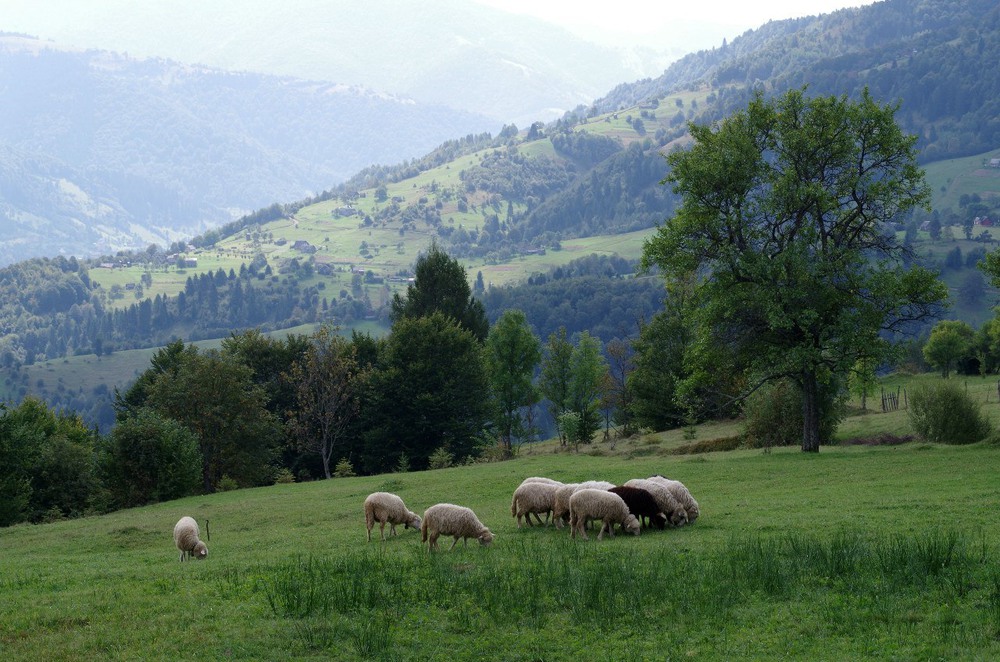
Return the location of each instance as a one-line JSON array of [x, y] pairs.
[[682, 494], [587, 504], [186, 538], [387, 508], [531, 499], [676, 515], [641, 504], [540, 479], [452, 520], [560, 506]]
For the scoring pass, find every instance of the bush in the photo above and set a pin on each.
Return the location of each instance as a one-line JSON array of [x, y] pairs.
[[440, 459], [148, 458], [773, 415], [284, 476], [943, 412], [344, 469]]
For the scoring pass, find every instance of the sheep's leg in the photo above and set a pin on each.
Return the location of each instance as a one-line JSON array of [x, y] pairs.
[[381, 528], [392, 528], [537, 518], [453, 544], [432, 542]]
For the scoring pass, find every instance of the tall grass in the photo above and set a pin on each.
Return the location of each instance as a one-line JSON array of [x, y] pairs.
[[848, 581]]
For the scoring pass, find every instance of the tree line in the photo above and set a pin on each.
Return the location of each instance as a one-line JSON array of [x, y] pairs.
[[444, 386]]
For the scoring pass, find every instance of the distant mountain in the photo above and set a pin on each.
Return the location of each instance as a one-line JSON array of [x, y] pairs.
[[100, 152], [452, 52]]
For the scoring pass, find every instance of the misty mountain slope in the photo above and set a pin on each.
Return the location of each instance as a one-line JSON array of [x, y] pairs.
[[452, 52], [937, 58], [156, 144]]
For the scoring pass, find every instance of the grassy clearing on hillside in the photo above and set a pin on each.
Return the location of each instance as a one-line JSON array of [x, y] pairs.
[[858, 552], [952, 178]]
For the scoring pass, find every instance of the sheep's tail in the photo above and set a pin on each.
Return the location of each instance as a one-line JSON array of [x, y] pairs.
[[369, 516], [423, 529], [513, 506]]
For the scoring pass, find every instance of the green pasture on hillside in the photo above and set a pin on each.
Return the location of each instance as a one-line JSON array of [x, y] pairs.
[[858, 552], [952, 178]]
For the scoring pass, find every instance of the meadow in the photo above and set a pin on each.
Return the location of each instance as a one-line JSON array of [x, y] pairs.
[[859, 552]]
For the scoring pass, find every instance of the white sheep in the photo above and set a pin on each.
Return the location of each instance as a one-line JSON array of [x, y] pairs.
[[676, 515], [531, 499], [451, 520], [560, 506], [596, 504], [387, 508], [540, 479], [682, 494], [186, 538]]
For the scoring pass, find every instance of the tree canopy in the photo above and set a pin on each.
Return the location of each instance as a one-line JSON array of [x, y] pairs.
[[440, 284], [782, 221]]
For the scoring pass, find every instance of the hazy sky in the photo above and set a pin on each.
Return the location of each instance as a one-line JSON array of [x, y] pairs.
[[652, 22]]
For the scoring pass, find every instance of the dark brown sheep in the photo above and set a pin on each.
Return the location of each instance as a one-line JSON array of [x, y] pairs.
[[641, 504]]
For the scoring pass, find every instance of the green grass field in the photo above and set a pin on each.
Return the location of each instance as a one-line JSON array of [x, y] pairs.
[[859, 552]]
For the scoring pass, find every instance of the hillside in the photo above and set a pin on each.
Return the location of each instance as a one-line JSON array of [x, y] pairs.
[[934, 57], [101, 152]]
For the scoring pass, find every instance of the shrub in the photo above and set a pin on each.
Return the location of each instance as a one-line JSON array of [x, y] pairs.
[[284, 476], [440, 459], [344, 469], [943, 412], [773, 414], [148, 458]]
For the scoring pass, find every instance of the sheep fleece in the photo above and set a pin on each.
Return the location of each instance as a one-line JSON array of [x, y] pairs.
[[451, 520]]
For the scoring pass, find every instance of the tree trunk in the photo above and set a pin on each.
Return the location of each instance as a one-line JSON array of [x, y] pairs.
[[327, 455], [810, 413]]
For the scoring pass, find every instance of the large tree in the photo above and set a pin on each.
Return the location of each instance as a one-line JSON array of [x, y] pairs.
[[328, 385], [440, 284], [783, 221], [588, 373], [214, 396], [512, 353], [556, 375], [428, 391]]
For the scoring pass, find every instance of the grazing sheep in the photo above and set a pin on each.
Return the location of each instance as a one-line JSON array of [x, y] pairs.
[[451, 520], [676, 515], [560, 506], [641, 504], [593, 504], [540, 479], [682, 494], [387, 508], [531, 499], [186, 538]]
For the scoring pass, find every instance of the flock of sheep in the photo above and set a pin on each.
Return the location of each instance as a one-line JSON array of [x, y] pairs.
[[654, 501]]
